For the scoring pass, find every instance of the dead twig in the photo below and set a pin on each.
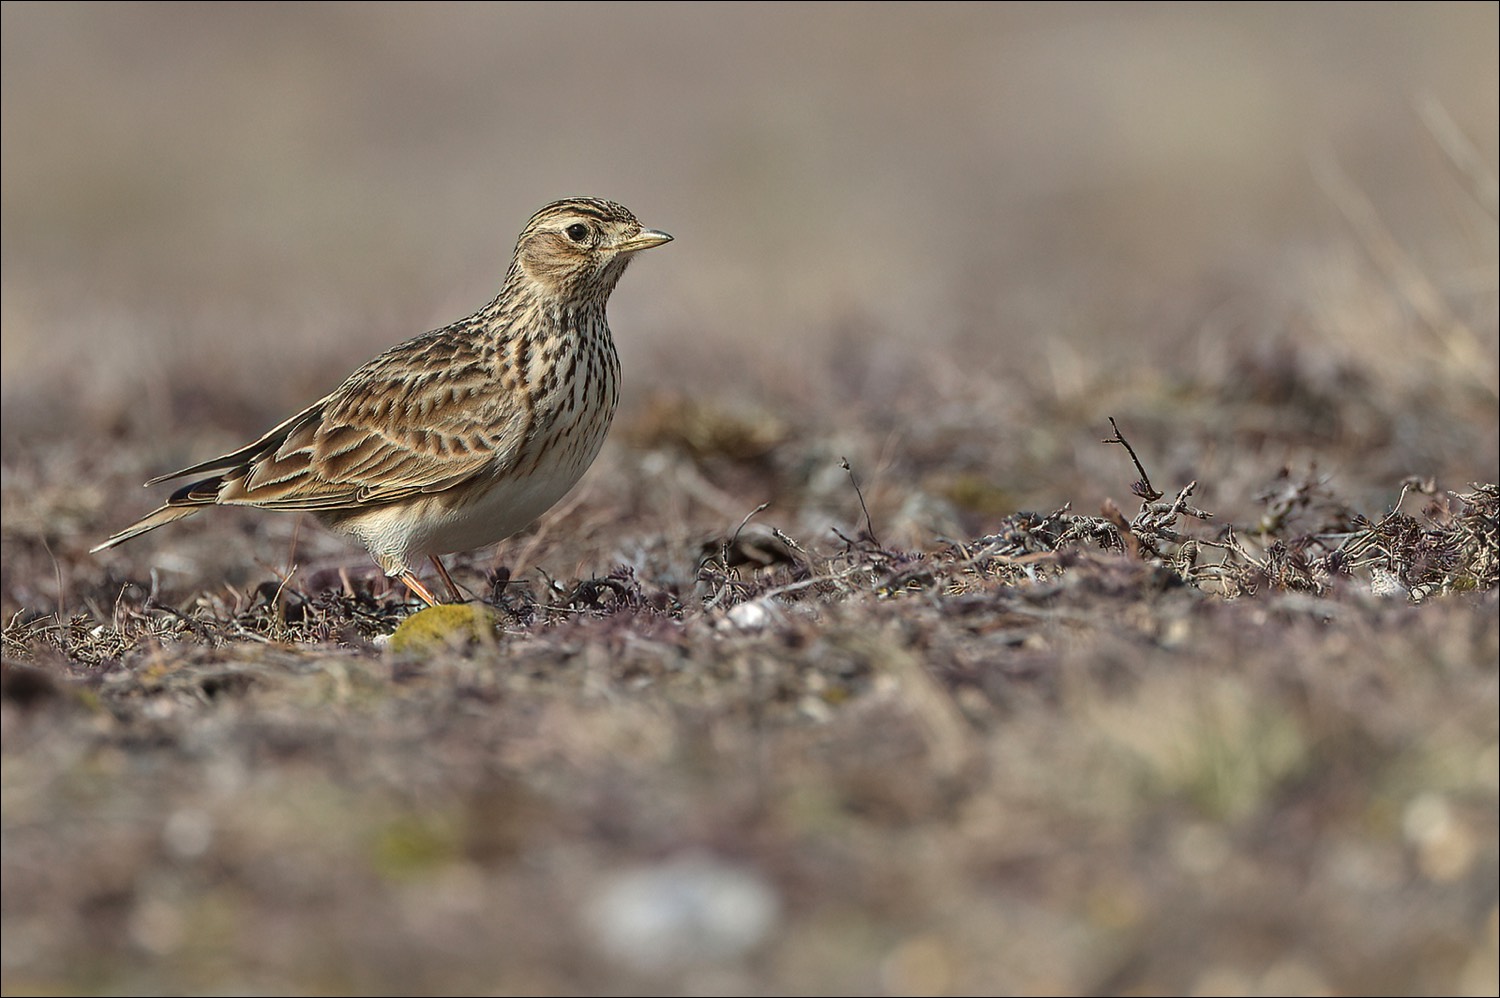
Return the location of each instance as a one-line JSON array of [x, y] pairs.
[[1143, 487]]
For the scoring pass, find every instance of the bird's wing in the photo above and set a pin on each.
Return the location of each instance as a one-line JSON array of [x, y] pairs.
[[422, 417]]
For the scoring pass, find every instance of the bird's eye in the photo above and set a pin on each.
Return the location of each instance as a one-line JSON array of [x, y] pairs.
[[577, 232]]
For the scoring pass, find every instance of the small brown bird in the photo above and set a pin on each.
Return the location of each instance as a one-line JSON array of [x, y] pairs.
[[462, 436]]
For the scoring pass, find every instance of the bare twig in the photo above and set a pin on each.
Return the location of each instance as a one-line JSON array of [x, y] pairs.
[[869, 526], [1143, 487], [735, 537]]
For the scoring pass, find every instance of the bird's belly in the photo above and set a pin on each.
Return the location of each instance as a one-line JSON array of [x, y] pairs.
[[506, 508], [475, 514]]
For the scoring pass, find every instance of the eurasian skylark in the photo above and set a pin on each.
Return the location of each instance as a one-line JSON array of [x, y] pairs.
[[462, 436]]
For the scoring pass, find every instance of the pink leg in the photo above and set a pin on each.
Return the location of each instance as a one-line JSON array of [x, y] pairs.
[[453, 590], [415, 585]]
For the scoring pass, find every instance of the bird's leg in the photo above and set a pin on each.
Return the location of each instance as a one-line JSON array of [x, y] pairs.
[[453, 591], [409, 578]]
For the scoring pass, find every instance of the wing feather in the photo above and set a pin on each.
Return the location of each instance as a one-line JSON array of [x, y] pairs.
[[423, 417]]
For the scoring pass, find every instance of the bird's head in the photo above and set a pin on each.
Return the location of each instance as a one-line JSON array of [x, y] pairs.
[[578, 247]]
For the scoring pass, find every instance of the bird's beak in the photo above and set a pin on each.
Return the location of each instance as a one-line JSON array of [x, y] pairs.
[[645, 240]]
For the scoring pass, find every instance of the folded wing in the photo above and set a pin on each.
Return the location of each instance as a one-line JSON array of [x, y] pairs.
[[423, 417]]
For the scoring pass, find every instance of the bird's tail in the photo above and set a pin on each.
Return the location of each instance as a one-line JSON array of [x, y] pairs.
[[156, 518]]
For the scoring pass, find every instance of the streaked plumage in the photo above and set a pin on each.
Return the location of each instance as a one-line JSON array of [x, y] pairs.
[[462, 436]]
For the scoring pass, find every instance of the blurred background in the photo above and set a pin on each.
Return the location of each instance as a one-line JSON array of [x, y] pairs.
[[942, 232]]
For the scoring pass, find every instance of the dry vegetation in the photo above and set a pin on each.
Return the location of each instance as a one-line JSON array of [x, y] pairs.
[[794, 695]]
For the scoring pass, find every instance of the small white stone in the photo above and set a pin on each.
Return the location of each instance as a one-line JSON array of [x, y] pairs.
[[1386, 583], [756, 615], [691, 911]]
